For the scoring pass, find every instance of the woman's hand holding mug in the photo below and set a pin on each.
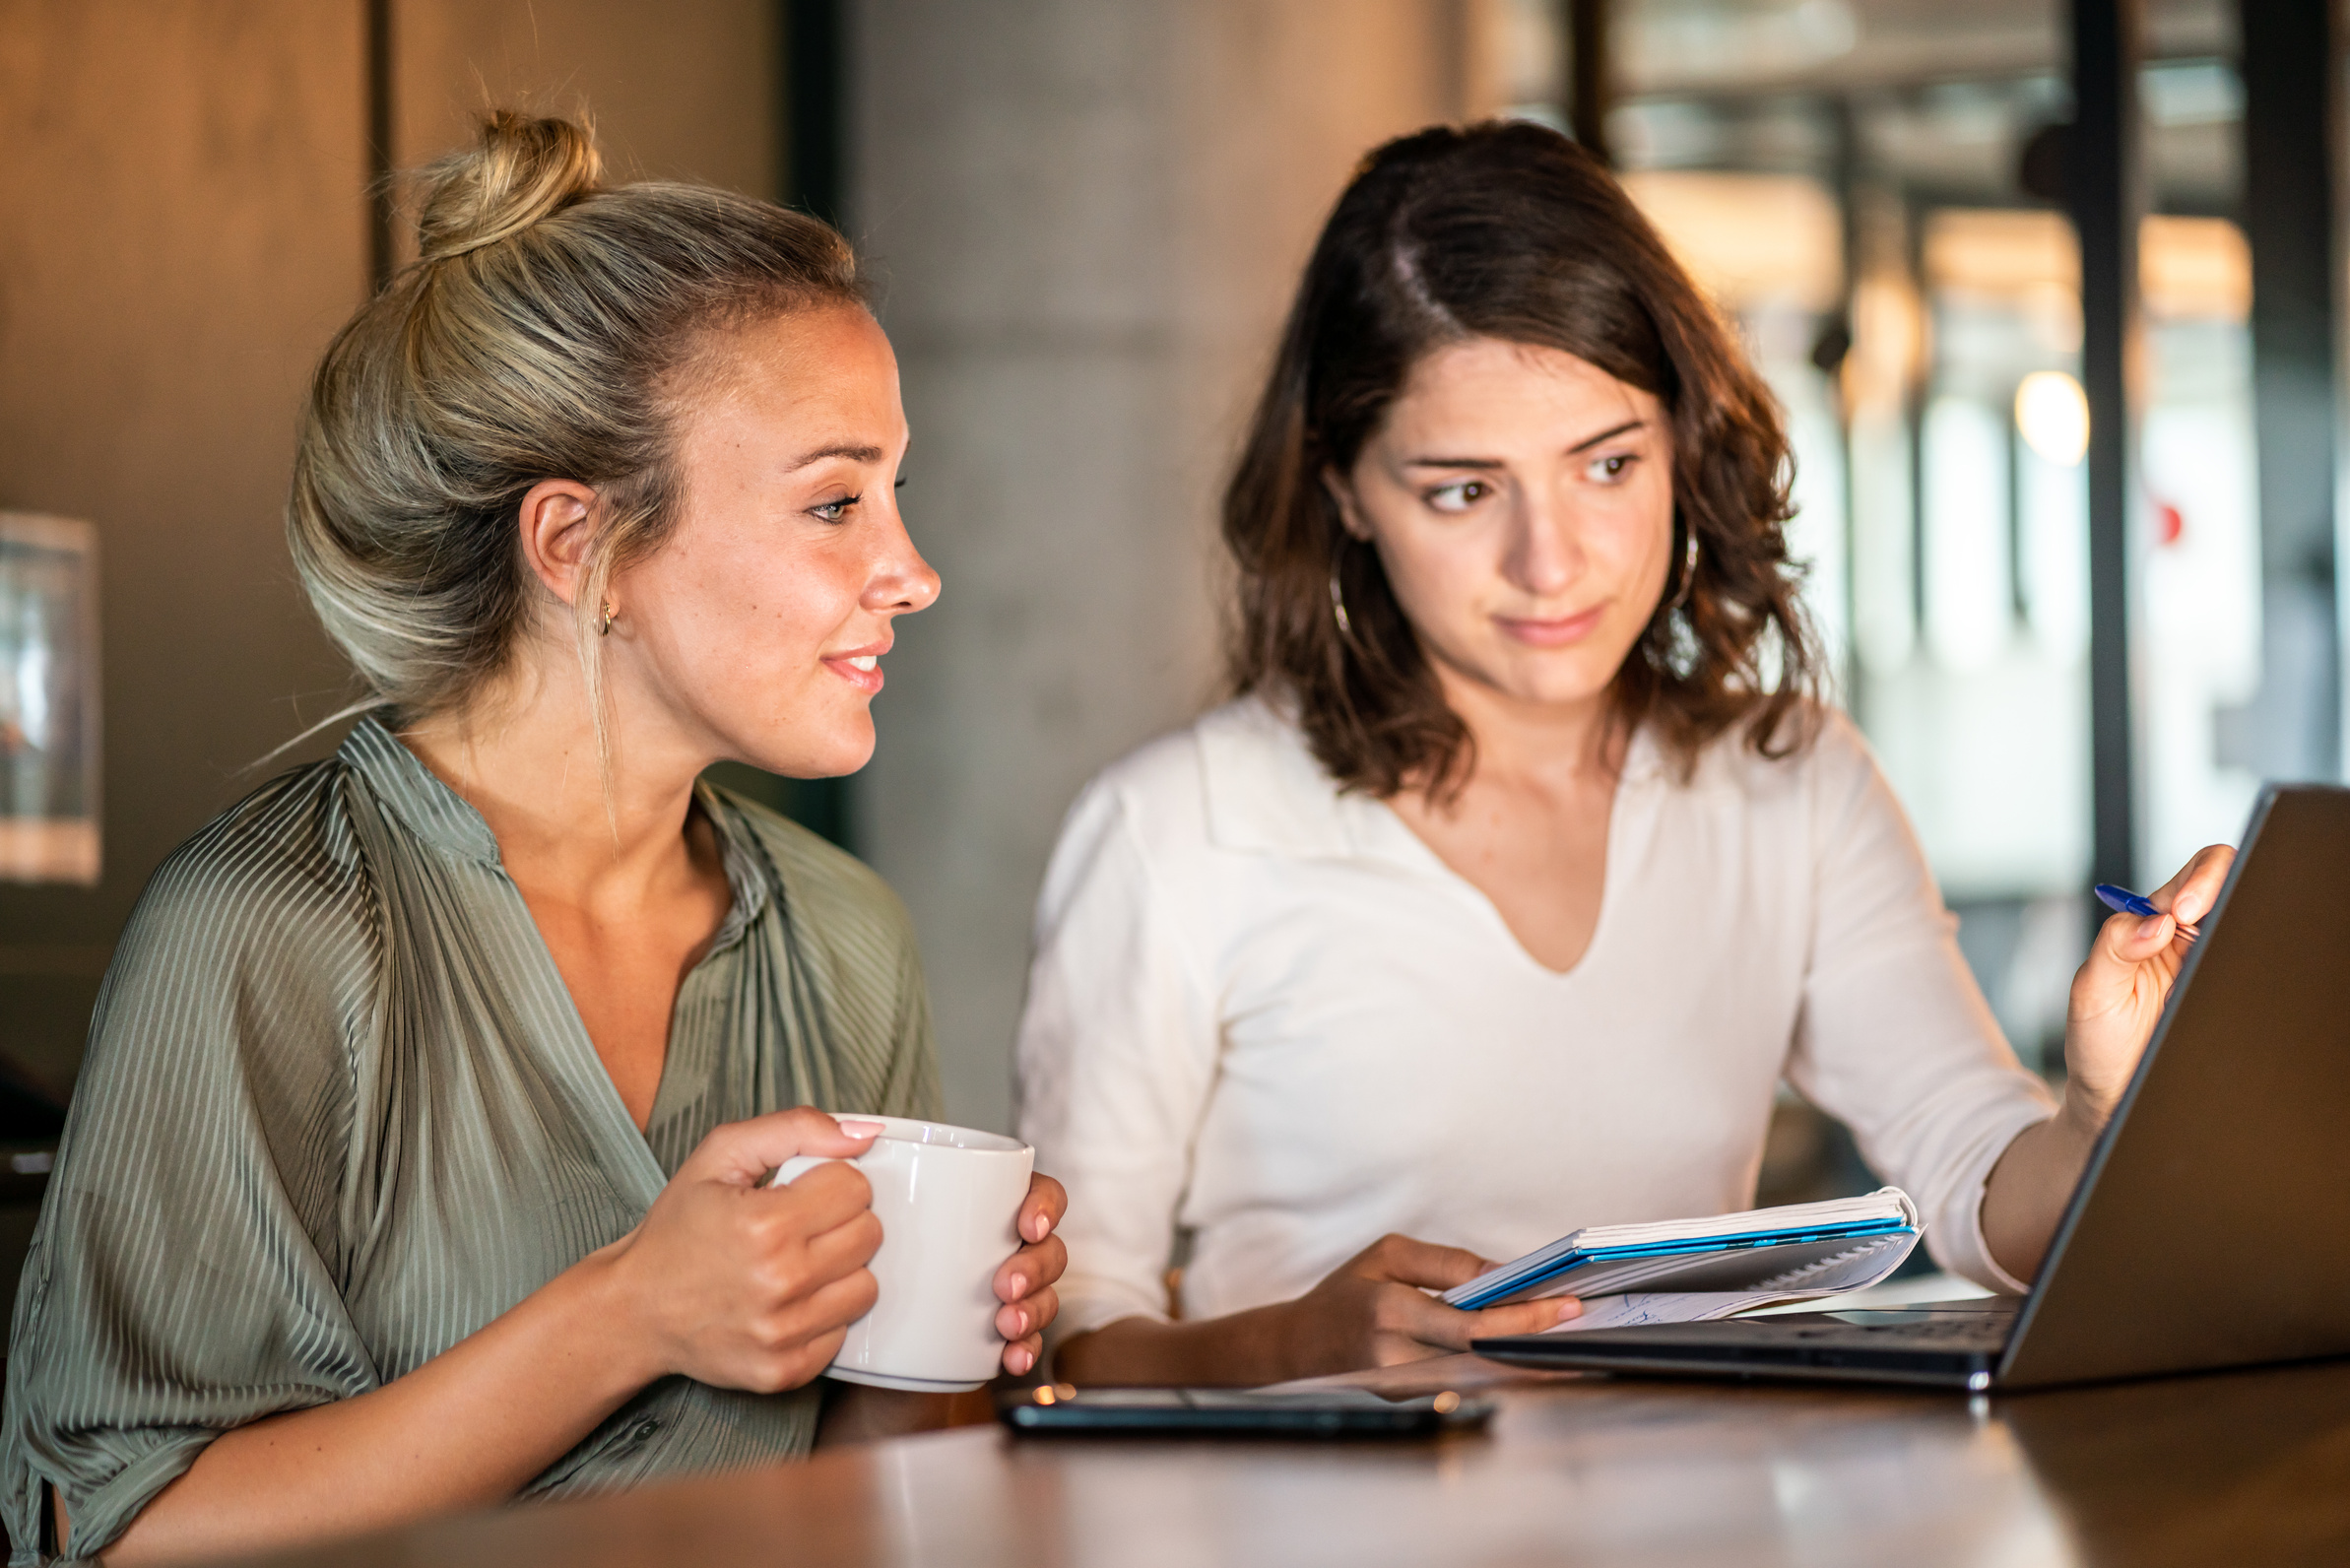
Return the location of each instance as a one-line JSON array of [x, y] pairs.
[[740, 1280], [746, 1286], [967, 1258]]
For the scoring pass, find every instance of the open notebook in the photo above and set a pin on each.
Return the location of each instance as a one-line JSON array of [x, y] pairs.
[[1688, 1270]]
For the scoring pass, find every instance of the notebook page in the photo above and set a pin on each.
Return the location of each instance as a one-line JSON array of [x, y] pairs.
[[1886, 1202], [1855, 1269]]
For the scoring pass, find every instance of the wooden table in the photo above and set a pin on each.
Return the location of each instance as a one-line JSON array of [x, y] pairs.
[[2239, 1469]]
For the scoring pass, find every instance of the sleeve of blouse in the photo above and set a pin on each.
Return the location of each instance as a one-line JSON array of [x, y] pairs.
[[186, 1274], [1116, 1055], [1895, 1038]]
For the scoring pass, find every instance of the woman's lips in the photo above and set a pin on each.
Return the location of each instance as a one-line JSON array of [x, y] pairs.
[[860, 670], [1553, 633]]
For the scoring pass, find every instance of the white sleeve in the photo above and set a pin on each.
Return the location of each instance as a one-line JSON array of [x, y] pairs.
[[1895, 1038], [1115, 1060]]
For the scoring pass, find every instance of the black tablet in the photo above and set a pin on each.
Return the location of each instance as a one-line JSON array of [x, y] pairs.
[[1058, 1408]]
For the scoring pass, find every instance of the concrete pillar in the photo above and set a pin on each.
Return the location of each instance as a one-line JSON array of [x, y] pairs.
[[1089, 219]]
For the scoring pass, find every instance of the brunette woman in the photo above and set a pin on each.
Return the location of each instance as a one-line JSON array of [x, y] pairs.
[[1524, 867], [417, 1158]]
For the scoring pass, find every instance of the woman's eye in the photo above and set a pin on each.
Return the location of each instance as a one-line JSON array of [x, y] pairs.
[[1458, 498], [834, 511], [1608, 470]]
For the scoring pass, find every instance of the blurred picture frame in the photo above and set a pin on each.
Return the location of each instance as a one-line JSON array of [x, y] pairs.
[[49, 736]]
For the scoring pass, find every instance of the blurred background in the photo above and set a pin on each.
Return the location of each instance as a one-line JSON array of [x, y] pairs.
[[2051, 294]]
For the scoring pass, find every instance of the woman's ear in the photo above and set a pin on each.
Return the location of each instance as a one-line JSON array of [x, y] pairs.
[[557, 519], [1350, 511]]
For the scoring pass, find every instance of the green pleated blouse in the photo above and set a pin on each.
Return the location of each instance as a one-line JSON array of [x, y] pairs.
[[338, 1112]]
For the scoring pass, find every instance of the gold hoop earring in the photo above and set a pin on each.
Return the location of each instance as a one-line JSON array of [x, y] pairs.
[[605, 630], [1337, 604], [1680, 595]]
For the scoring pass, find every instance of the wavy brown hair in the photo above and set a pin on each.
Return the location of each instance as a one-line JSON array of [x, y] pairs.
[[1512, 232]]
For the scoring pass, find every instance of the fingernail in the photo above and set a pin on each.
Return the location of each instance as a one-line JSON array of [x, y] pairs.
[[2151, 926], [1020, 1316], [1021, 1359], [1037, 1227], [1019, 1285], [861, 1129], [1569, 1307]]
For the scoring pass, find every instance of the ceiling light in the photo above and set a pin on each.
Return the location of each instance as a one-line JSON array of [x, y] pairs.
[[2053, 414]]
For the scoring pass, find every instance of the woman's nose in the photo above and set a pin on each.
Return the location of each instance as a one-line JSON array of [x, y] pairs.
[[1543, 553], [902, 582]]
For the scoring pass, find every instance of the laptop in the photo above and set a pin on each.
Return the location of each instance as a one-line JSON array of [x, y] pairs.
[[2211, 1226]]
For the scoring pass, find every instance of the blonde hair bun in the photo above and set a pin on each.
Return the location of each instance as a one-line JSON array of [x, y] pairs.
[[523, 169]]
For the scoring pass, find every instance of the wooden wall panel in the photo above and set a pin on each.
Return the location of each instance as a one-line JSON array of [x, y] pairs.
[[182, 228], [682, 90]]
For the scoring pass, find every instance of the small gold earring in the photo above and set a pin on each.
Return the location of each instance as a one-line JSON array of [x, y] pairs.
[[605, 630], [1680, 595]]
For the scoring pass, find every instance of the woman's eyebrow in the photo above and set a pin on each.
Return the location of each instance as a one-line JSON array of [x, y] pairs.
[[1584, 445], [855, 454], [1588, 442]]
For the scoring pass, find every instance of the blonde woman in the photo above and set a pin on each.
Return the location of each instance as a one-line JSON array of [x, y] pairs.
[[416, 1160]]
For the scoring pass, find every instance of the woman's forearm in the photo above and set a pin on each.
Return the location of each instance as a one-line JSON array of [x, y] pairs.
[[2029, 1187], [1239, 1350], [469, 1427]]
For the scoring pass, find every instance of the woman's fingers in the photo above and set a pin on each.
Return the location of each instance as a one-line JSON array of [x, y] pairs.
[[1041, 1210], [1420, 1263], [843, 1247], [1029, 1315], [1025, 1281], [831, 1306], [2125, 943], [1524, 1317], [821, 1198], [2194, 891], [742, 1153], [801, 1339], [1432, 1323], [1032, 1267]]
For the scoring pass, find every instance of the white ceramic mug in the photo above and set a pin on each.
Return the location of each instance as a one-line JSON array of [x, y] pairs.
[[949, 1198]]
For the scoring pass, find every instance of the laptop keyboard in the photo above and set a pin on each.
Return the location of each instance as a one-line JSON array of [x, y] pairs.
[[1954, 1331]]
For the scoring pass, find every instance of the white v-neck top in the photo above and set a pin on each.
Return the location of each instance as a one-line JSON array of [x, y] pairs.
[[1266, 1012]]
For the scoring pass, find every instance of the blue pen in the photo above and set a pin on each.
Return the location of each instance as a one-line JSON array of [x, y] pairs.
[[2122, 901]]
